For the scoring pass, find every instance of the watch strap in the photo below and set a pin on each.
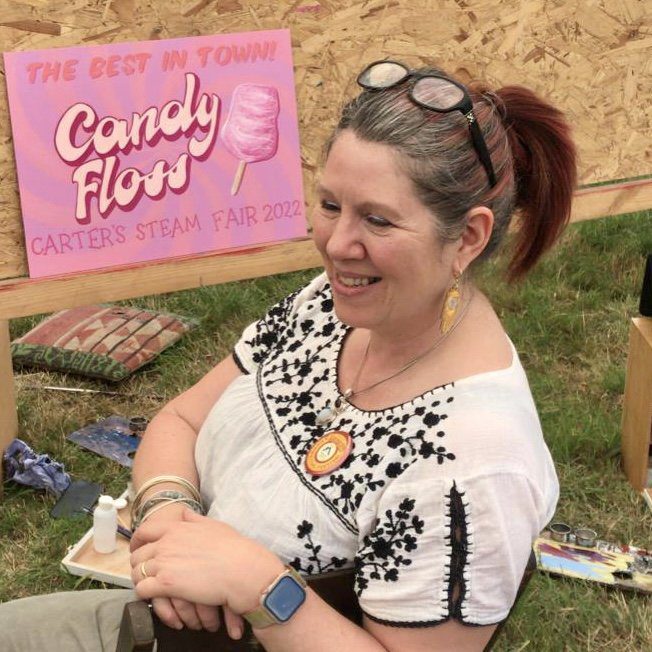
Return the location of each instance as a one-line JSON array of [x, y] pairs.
[[261, 616]]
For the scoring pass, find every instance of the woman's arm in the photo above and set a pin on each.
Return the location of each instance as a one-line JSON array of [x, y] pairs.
[[168, 445], [206, 561], [168, 448], [319, 628]]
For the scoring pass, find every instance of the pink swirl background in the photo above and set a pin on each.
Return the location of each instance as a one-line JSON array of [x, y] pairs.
[[48, 194]]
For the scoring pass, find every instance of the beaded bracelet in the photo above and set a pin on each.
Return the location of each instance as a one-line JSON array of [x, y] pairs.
[[166, 493], [172, 479], [162, 497], [160, 479]]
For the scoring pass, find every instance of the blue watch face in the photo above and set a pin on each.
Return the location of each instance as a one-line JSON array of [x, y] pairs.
[[285, 598]]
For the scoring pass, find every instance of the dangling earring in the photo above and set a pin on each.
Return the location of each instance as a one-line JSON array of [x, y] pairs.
[[451, 304]]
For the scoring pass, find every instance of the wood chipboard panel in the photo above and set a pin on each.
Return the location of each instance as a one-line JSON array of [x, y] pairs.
[[592, 59]]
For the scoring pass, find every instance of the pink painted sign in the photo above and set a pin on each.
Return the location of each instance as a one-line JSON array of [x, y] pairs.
[[142, 151]]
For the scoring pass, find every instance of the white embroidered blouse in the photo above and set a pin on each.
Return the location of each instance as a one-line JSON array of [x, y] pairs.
[[438, 503]]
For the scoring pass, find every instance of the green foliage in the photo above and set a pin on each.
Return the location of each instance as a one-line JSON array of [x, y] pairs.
[[569, 320]]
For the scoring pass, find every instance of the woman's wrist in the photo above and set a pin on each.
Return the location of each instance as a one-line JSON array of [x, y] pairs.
[[250, 587], [280, 600], [172, 512], [153, 495]]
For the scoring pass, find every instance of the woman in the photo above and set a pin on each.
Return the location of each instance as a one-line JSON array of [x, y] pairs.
[[379, 418]]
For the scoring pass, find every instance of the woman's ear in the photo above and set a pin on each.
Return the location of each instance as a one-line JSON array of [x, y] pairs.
[[476, 234]]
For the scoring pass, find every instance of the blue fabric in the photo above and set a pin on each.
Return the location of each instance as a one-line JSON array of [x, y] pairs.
[[24, 466]]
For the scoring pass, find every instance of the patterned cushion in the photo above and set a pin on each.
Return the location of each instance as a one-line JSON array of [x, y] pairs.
[[108, 342]]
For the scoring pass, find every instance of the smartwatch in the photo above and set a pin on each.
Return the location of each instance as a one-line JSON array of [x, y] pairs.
[[279, 601]]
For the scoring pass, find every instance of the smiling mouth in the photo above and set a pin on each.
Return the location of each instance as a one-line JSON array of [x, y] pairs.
[[358, 281]]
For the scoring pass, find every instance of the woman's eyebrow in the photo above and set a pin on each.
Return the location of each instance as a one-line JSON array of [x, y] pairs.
[[365, 207], [322, 190], [379, 208]]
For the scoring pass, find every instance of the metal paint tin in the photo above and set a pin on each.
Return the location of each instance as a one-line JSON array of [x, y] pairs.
[[138, 424], [585, 537], [559, 532]]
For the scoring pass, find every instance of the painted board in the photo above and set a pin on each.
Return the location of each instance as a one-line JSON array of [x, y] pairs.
[[620, 566], [112, 438], [153, 150]]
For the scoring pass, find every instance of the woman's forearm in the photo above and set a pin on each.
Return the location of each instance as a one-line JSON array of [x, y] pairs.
[[317, 627], [167, 448]]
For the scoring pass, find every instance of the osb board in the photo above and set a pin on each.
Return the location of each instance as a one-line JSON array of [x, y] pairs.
[[591, 57]]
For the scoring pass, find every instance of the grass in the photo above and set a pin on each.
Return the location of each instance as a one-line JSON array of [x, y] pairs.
[[569, 321]]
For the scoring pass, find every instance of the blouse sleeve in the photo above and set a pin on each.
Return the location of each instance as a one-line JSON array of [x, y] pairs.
[[448, 548], [272, 332]]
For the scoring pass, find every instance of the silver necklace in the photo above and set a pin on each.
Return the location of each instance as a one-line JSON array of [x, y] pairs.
[[330, 412]]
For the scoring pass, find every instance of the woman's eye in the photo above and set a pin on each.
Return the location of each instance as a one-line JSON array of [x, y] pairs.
[[377, 220], [329, 206]]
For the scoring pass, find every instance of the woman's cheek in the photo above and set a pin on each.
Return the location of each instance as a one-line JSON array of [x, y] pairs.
[[320, 233]]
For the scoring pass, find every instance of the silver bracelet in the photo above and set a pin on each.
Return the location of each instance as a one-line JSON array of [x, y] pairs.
[[161, 499], [164, 479], [189, 502]]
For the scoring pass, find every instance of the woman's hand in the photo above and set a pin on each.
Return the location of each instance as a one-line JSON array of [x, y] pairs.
[[168, 448], [178, 613], [202, 561]]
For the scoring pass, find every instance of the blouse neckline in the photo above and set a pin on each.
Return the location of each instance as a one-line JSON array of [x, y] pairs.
[[461, 382]]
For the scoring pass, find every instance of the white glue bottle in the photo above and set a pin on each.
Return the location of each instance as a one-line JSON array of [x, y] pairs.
[[105, 525]]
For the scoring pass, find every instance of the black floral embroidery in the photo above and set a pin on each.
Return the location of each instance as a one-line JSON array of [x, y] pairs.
[[349, 500], [271, 331], [386, 549], [314, 563], [296, 379]]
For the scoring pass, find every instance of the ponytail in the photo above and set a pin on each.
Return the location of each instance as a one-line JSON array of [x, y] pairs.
[[544, 160], [531, 152]]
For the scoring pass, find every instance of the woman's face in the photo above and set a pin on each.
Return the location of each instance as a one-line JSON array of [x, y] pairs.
[[387, 267]]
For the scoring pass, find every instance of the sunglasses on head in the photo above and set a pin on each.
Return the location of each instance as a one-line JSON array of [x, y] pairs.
[[433, 92]]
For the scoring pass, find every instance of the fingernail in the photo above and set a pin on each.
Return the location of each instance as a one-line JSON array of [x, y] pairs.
[[236, 631]]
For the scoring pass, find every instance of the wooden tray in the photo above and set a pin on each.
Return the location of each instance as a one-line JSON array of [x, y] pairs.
[[112, 568]]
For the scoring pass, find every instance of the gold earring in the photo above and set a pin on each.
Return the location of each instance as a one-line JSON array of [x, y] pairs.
[[451, 304]]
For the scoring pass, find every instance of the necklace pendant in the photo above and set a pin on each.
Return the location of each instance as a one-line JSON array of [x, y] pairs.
[[329, 452], [325, 416], [329, 412]]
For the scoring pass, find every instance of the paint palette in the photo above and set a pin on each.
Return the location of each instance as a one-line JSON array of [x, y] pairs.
[[112, 438], [622, 566]]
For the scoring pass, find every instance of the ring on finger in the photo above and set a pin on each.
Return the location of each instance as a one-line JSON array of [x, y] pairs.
[[143, 570]]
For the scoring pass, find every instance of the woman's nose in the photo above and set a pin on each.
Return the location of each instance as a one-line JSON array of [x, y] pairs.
[[345, 239]]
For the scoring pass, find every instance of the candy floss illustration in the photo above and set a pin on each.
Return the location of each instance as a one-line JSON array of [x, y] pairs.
[[250, 132]]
